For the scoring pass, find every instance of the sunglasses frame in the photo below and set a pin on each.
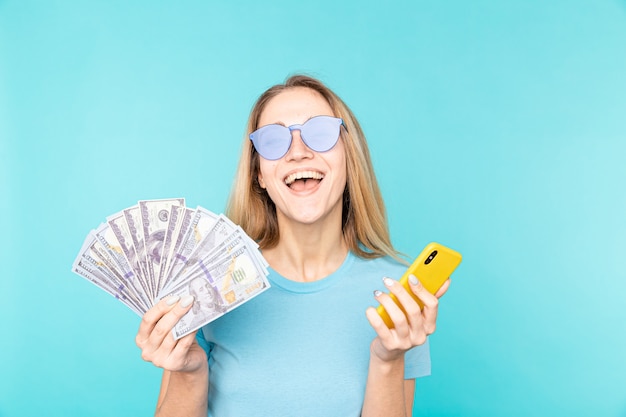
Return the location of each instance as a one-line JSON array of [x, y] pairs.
[[254, 136]]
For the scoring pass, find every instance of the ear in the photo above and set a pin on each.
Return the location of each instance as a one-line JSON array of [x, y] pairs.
[[261, 182]]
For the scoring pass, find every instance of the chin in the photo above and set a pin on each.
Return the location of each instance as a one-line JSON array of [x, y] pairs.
[[310, 218]]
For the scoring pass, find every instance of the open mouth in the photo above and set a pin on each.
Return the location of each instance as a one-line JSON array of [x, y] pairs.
[[304, 180]]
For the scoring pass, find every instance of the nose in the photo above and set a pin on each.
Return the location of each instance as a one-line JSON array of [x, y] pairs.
[[298, 149]]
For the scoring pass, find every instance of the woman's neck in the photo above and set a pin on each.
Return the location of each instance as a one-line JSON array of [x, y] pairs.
[[307, 252]]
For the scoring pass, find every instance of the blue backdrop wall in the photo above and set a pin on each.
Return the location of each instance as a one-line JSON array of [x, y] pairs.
[[498, 128]]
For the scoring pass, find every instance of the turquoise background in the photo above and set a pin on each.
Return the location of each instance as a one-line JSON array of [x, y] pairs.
[[497, 128]]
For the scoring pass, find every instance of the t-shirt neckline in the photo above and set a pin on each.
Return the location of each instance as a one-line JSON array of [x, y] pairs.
[[314, 286]]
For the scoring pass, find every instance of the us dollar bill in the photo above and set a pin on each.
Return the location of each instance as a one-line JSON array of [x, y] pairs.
[[109, 243], [155, 216], [120, 229], [219, 289], [100, 272], [199, 233], [158, 248], [92, 274], [132, 216], [179, 220]]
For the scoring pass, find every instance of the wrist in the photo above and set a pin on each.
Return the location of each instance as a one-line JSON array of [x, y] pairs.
[[387, 364], [379, 352], [184, 393], [198, 372]]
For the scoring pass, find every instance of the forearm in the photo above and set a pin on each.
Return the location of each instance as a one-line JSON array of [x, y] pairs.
[[184, 394], [384, 392]]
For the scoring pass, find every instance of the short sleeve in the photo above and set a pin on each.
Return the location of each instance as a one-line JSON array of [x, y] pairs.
[[202, 341], [417, 361]]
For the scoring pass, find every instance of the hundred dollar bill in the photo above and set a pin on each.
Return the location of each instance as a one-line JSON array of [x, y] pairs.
[[91, 259], [221, 234], [119, 227], [224, 239], [232, 245], [179, 222], [105, 236], [202, 260], [173, 227], [92, 275], [224, 254], [220, 289], [97, 255], [155, 216], [132, 216], [200, 227], [198, 266]]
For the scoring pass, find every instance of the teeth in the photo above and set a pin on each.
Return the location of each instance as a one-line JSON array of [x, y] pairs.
[[304, 174]]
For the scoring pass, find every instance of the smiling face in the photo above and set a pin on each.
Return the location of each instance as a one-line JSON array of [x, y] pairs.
[[306, 186]]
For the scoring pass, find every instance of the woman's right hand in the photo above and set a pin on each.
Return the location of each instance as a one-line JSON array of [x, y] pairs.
[[157, 343]]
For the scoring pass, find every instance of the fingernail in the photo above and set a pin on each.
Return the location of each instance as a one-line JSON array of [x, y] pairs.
[[413, 280], [388, 282], [186, 301], [172, 299], [377, 293]]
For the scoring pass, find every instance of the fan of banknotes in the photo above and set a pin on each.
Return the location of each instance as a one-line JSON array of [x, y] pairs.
[[159, 248]]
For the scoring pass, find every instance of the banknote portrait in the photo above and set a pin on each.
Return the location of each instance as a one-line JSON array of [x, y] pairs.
[[208, 302]]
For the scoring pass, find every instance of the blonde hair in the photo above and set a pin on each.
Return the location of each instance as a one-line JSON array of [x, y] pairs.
[[364, 221]]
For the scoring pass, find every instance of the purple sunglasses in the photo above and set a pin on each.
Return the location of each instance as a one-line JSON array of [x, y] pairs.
[[319, 133]]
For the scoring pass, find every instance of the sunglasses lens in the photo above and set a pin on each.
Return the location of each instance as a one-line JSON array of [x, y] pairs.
[[272, 141], [321, 133]]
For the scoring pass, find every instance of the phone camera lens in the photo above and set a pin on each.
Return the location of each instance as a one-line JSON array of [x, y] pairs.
[[430, 257]]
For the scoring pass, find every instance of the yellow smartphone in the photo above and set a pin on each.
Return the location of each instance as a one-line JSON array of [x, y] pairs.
[[432, 267]]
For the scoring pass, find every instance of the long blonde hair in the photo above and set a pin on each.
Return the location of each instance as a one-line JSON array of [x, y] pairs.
[[364, 221]]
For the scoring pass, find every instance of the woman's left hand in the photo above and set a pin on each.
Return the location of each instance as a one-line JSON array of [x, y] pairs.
[[409, 330]]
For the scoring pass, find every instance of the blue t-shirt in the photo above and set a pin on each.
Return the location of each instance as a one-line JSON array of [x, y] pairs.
[[301, 348]]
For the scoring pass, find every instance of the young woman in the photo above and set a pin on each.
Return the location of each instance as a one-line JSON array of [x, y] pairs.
[[311, 345]]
